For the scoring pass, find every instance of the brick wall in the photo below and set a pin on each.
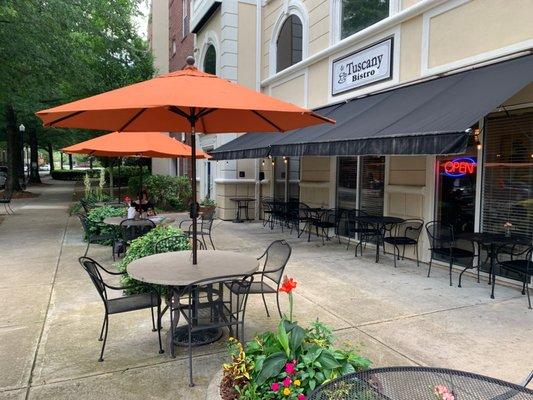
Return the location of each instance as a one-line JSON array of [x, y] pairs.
[[183, 45]]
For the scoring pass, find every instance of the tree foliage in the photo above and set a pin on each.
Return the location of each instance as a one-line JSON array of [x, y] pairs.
[[57, 51]]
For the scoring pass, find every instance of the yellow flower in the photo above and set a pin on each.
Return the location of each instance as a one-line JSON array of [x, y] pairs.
[[297, 382], [286, 391]]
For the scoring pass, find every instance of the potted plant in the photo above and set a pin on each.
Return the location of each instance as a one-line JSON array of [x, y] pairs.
[[207, 206], [288, 363]]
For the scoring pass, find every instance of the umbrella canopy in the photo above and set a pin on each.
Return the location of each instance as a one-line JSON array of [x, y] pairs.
[[183, 101], [139, 144]]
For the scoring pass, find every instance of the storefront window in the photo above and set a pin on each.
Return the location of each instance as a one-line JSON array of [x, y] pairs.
[[357, 15], [346, 186], [279, 179], [372, 184], [456, 191], [508, 174], [293, 166]]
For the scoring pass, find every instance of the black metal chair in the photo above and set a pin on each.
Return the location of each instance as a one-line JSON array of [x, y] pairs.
[[173, 243], [122, 304], [442, 243], [266, 206], [299, 217], [327, 220], [405, 234], [92, 238], [517, 259], [204, 228], [360, 230], [6, 201], [130, 229], [85, 205], [268, 279], [208, 304]]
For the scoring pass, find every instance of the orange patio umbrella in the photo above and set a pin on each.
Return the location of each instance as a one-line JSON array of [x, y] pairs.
[[183, 101], [138, 144]]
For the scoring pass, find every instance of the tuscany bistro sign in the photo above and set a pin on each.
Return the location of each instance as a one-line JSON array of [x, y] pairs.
[[364, 67]]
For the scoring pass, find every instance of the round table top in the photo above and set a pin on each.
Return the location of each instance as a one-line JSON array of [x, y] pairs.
[[176, 269], [381, 219], [242, 199], [419, 383], [496, 238], [157, 219]]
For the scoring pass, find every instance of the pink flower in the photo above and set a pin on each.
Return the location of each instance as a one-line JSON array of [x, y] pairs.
[[274, 386], [287, 382], [301, 396], [290, 368]]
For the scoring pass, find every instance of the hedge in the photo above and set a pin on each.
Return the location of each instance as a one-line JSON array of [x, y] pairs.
[[74, 174]]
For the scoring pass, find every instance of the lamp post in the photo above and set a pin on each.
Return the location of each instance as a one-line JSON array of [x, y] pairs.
[[22, 129]]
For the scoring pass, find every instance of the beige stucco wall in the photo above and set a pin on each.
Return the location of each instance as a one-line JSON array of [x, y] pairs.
[[292, 90], [410, 49], [477, 27], [246, 45], [314, 181], [159, 34], [211, 27]]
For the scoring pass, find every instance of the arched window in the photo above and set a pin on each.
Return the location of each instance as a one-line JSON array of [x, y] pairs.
[[210, 60], [290, 43]]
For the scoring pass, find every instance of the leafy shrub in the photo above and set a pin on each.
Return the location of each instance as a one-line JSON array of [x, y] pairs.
[[145, 246], [73, 175], [126, 172], [288, 363], [96, 217], [167, 192]]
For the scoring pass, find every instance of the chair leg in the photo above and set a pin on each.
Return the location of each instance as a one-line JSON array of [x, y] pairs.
[[161, 351], [211, 240], [102, 330], [451, 263], [460, 276], [430, 260], [264, 302], [87, 248], [417, 260], [153, 319], [191, 383], [279, 308], [105, 339], [394, 254], [348, 244], [203, 241], [171, 333], [528, 298]]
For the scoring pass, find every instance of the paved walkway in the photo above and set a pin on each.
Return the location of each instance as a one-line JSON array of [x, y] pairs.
[[51, 314]]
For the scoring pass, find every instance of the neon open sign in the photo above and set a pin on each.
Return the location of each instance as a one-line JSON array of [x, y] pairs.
[[459, 167]]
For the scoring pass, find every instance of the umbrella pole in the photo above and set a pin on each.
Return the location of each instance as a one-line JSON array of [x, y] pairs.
[[118, 179], [193, 188]]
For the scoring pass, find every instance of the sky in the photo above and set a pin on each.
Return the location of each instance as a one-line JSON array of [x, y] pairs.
[[141, 21]]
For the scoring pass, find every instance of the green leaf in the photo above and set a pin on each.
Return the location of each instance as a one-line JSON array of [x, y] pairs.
[[347, 368], [312, 384], [272, 366], [283, 339], [328, 361], [297, 336]]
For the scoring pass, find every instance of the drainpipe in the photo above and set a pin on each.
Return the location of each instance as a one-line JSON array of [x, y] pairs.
[[257, 166]]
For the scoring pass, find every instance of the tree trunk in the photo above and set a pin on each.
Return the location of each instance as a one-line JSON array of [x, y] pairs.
[[34, 158], [70, 166], [62, 162], [90, 163], [51, 156], [13, 151]]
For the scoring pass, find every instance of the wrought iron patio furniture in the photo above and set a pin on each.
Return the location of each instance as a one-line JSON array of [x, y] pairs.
[[122, 304], [418, 383], [266, 207], [442, 242], [91, 238], [298, 217], [279, 213], [323, 222], [85, 205], [208, 304], [242, 205], [6, 201], [518, 262], [405, 234], [131, 229], [204, 227], [358, 230], [268, 279]]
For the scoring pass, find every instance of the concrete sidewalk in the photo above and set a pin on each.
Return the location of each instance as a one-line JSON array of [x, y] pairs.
[[51, 314]]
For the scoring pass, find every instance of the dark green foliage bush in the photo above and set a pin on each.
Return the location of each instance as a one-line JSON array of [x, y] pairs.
[[96, 217], [145, 246], [167, 192], [73, 175], [126, 173]]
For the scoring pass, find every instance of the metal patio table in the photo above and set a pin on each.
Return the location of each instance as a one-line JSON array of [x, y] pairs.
[[314, 214], [157, 219], [175, 269], [418, 383], [242, 203], [491, 241], [381, 221]]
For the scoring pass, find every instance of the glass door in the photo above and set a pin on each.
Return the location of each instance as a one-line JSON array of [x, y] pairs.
[[346, 187], [372, 184]]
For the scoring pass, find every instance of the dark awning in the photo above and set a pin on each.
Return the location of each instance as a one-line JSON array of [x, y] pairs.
[[249, 145], [424, 118]]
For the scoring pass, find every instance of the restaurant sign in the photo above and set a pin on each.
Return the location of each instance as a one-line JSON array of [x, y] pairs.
[[364, 67]]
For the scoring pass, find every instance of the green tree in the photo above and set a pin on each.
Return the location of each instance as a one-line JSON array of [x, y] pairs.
[[56, 51]]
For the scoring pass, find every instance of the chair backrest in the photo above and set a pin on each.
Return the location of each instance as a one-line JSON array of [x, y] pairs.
[[276, 257], [410, 228], [85, 206], [174, 243], [440, 235], [230, 292], [132, 228], [206, 222], [84, 224], [518, 251], [91, 267]]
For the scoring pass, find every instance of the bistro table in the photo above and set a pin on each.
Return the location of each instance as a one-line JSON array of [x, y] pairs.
[[380, 222], [156, 219], [418, 383], [175, 269], [242, 203], [491, 241]]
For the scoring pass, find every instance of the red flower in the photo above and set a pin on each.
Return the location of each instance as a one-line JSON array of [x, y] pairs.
[[287, 285]]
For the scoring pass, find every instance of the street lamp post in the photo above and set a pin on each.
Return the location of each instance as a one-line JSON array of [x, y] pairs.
[[22, 129]]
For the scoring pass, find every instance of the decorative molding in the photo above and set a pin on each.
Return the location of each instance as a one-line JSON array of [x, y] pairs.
[[210, 39]]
